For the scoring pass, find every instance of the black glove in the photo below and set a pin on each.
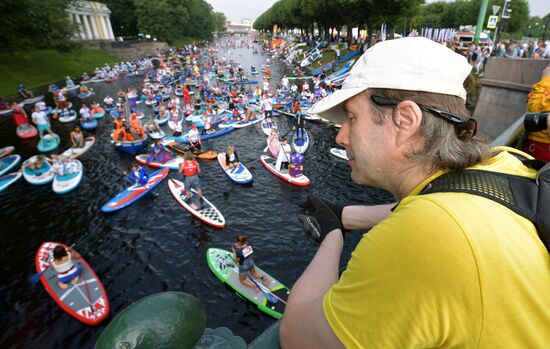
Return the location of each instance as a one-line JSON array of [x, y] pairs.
[[320, 218]]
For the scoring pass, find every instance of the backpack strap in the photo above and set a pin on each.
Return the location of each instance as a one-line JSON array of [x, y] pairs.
[[530, 198]]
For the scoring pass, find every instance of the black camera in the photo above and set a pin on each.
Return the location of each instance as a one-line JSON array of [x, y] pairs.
[[535, 121]]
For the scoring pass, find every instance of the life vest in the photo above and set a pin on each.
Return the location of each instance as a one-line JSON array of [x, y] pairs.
[[190, 168], [119, 123]]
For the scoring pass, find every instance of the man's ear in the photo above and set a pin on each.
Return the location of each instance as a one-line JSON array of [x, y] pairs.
[[407, 119]]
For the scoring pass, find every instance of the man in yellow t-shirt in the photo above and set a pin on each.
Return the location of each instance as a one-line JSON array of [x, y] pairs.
[[442, 270], [538, 143]]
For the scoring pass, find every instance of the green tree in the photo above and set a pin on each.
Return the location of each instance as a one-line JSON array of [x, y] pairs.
[[219, 21], [123, 17], [32, 24]]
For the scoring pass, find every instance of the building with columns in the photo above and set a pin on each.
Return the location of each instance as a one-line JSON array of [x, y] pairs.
[[245, 26], [93, 18]]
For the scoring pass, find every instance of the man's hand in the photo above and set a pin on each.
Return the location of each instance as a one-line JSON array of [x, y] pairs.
[[320, 218]]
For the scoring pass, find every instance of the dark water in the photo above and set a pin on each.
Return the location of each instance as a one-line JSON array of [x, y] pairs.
[[155, 245]]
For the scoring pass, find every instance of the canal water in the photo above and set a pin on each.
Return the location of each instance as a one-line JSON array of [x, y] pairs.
[[155, 245]]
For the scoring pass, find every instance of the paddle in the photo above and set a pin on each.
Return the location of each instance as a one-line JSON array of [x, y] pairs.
[[271, 298]]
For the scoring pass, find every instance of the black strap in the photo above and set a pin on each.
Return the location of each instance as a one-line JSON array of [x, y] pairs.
[[527, 197]]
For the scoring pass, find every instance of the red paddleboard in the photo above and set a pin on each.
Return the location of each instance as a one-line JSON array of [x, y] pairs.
[[269, 163], [86, 300]]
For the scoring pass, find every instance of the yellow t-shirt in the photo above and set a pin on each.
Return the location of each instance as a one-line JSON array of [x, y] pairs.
[[446, 270], [539, 102]]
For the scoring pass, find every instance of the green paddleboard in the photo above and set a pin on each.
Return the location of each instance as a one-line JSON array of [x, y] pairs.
[[224, 267]]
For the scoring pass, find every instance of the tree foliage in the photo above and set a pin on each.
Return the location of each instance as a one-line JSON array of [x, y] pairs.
[[34, 24], [174, 19], [219, 21], [123, 17], [308, 15]]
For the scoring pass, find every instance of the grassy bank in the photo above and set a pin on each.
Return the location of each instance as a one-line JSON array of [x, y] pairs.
[[183, 41], [43, 66]]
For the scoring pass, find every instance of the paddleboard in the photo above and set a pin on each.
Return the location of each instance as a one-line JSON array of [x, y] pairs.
[[71, 117], [48, 143], [90, 124], [157, 135], [300, 145], [341, 153], [241, 124], [218, 133], [85, 94], [7, 180], [173, 164], [269, 163], [40, 176], [76, 152], [8, 162], [209, 214], [131, 194], [86, 300], [26, 131], [6, 150], [239, 175], [70, 88], [66, 183], [31, 100], [98, 115], [6, 111], [266, 127], [224, 267]]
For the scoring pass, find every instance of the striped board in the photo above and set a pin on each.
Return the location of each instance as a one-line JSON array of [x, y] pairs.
[[223, 266], [209, 214], [131, 194], [86, 300], [270, 162], [239, 175], [26, 131]]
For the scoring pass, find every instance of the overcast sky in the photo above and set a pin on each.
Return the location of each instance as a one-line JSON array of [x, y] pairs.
[[236, 10]]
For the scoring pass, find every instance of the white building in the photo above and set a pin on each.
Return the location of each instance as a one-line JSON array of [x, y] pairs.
[[245, 26], [93, 18]]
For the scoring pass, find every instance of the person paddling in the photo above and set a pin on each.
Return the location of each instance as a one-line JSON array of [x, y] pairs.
[[65, 267], [242, 254], [191, 170]]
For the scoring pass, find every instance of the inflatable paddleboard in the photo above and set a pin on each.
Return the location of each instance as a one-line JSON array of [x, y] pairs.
[[40, 176], [31, 100], [173, 164], [7, 150], [266, 127], [239, 175], [8, 162], [85, 94], [7, 180], [71, 117], [300, 145], [48, 143], [6, 111], [86, 300], [66, 183], [90, 124], [157, 135], [269, 163], [130, 195], [341, 153], [224, 267], [209, 214], [26, 131], [76, 152]]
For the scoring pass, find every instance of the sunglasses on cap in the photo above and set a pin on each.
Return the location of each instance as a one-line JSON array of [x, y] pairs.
[[466, 127]]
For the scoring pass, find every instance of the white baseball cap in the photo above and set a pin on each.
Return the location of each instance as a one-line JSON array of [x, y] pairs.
[[414, 64]]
